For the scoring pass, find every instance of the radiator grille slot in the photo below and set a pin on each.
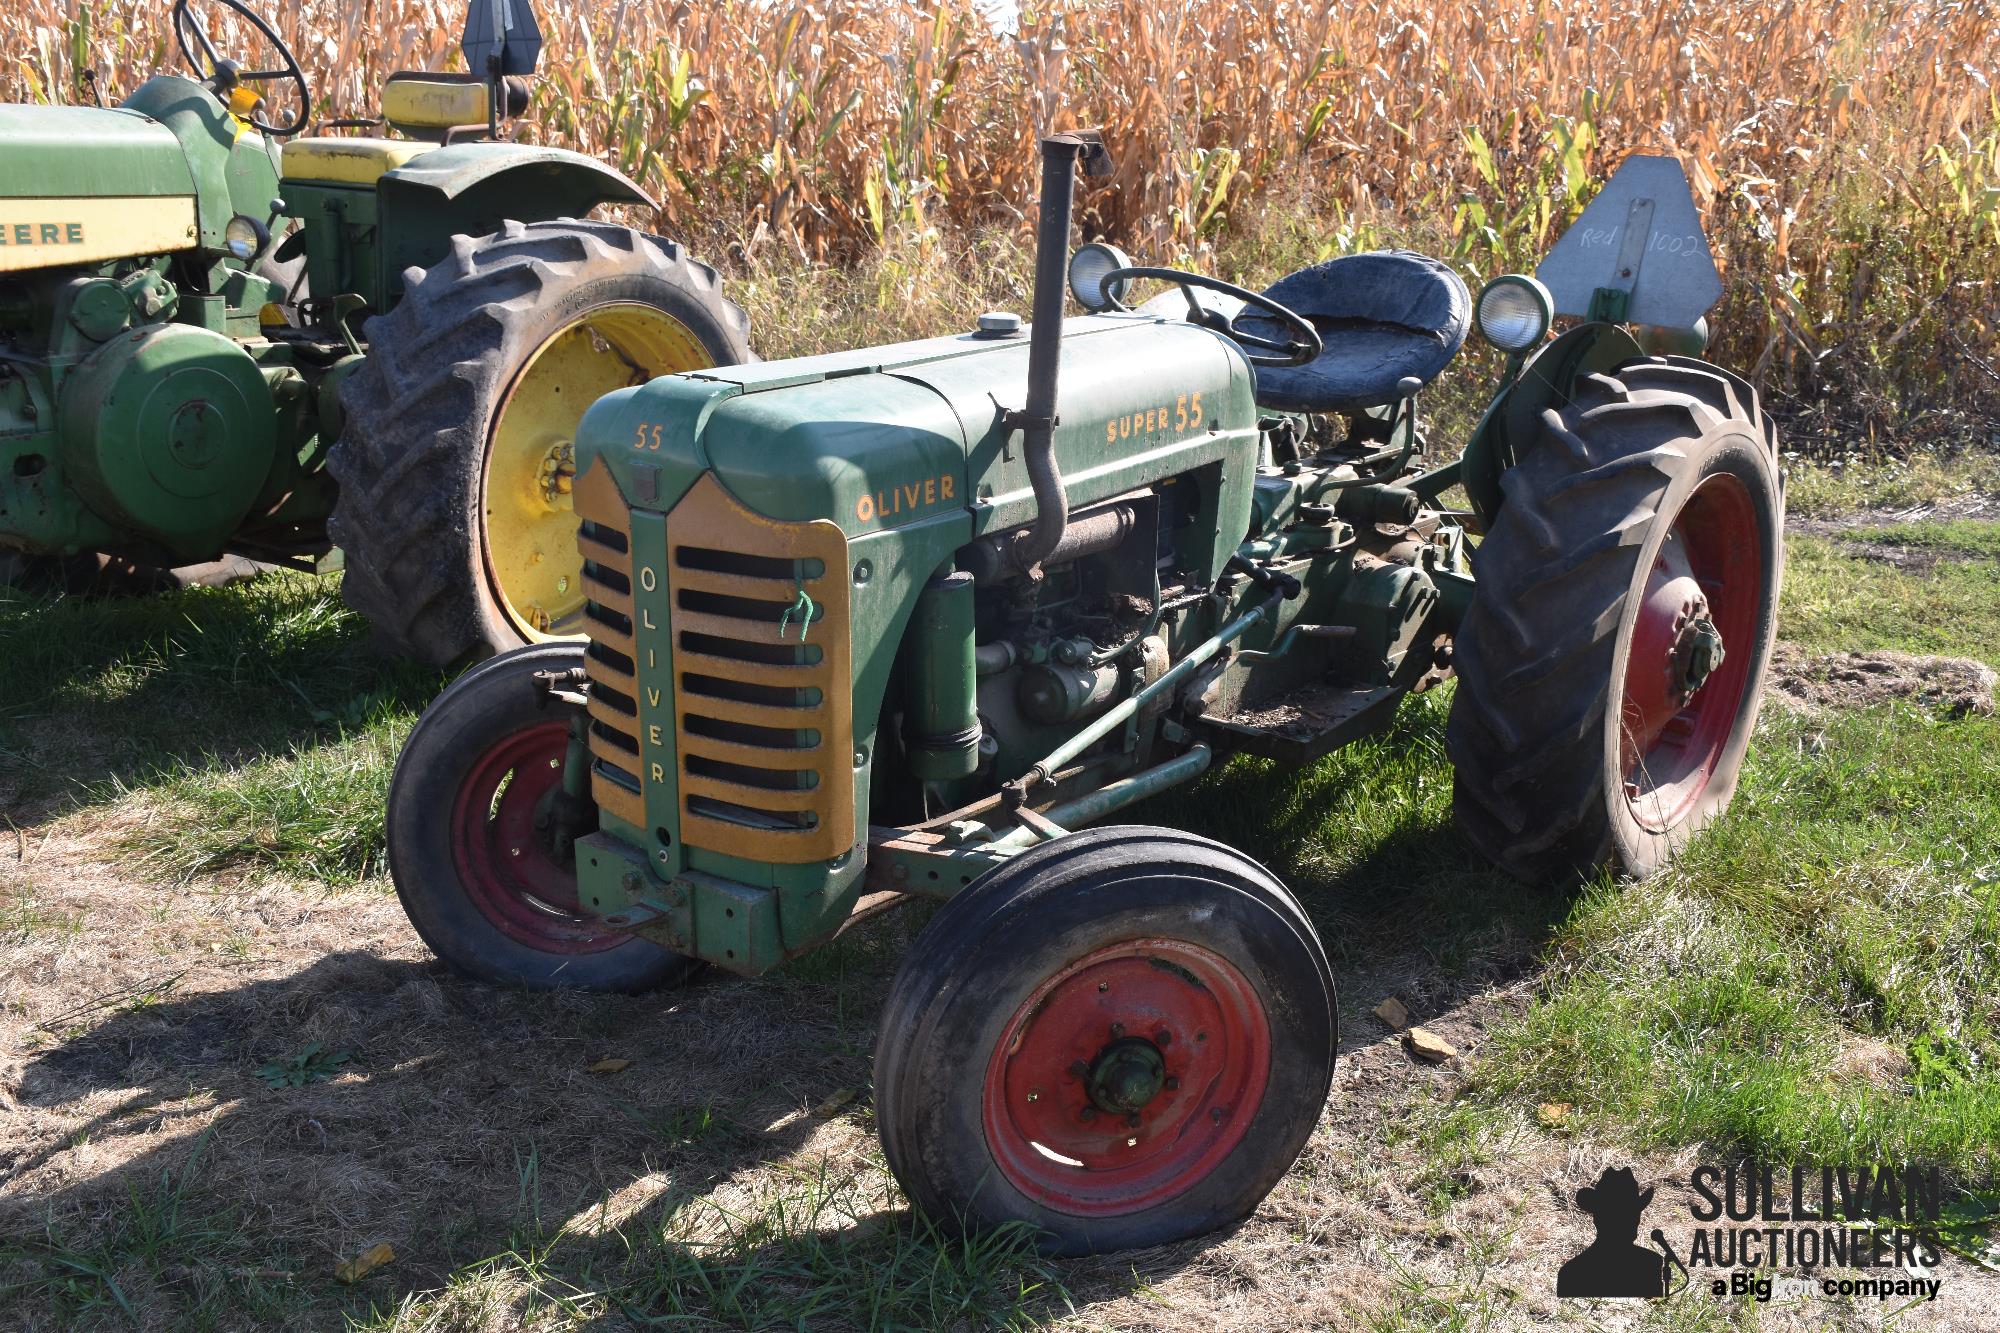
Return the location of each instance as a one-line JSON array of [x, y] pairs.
[[736, 650], [732, 607], [749, 818], [750, 692], [747, 775], [747, 734], [751, 566], [762, 674], [605, 539]]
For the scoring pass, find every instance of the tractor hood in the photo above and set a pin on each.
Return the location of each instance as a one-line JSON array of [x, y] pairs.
[[82, 152], [882, 437]]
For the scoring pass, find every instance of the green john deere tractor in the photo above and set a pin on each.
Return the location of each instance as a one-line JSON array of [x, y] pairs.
[[901, 621], [209, 344]]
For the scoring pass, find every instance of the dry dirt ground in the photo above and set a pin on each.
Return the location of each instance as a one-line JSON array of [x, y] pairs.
[[466, 1122]]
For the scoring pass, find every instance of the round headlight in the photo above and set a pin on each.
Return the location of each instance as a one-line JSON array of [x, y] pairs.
[[245, 236], [1087, 268], [1513, 312]]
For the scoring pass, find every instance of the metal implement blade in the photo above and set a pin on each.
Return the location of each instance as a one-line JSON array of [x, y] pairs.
[[1640, 236], [502, 31]]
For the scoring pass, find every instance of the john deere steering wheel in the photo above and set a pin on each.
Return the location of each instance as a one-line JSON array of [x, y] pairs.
[[222, 74], [1297, 352]]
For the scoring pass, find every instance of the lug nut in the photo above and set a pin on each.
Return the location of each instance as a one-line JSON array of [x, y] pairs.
[[1163, 1038], [1087, 1113]]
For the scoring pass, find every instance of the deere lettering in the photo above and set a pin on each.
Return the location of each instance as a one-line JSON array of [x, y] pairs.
[[41, 233], [901, 499]]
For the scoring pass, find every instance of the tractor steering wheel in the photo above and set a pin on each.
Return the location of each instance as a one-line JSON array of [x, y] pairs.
[[1298, 351], [221, 75]]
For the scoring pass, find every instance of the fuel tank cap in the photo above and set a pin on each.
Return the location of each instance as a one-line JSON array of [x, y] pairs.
[[998, 324]]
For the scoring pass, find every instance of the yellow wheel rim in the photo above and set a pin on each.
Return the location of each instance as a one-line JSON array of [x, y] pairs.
[[532, 560]]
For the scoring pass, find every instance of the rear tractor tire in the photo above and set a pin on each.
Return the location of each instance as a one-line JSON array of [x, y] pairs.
[[1120, 1038], [457, 456], [473, 809], [1612, 665]]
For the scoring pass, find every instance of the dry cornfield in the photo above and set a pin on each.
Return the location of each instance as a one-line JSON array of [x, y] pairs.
[[1846, 155]]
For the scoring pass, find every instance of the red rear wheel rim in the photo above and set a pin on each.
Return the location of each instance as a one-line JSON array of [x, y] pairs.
[[1183, 1015], [505, 862], [1706, 583]]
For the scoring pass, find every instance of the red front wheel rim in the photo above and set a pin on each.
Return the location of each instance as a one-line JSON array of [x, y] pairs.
[[1127, 1078], [1703, 597], [501, 848]]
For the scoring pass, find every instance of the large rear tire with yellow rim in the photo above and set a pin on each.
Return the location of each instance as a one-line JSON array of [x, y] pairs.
[[457, 454]]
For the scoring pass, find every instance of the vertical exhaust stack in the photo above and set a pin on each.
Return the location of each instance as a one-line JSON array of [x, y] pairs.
[[1037, 421]]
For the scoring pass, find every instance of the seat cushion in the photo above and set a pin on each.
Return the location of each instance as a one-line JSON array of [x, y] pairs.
[[1382, 317], [348, 161], [435, 102]]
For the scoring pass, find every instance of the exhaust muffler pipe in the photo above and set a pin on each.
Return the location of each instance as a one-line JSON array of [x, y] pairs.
[[1037, 421]]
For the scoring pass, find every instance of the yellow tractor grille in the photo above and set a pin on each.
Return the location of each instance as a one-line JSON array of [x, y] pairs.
[[610, 661], [762, 680]]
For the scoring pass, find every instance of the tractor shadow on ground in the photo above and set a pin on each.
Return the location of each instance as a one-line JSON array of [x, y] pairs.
[[1404, 906], [100, 694], [463, 1121], [466, 1121]]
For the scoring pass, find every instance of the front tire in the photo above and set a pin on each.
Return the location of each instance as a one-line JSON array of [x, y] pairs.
[[1612, 665], [469, 821], [1120, 1038], [455, 460]]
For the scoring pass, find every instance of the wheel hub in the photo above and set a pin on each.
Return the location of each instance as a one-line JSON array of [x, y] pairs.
[[558, 474], [1126, 1076], [1697, 653], [507, 844]]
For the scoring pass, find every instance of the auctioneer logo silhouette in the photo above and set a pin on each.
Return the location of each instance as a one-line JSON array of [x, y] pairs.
[[1615, 1264]]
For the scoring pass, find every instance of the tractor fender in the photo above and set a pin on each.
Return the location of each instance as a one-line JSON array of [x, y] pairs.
[[1547, 379], [564, 182], [469, 189]]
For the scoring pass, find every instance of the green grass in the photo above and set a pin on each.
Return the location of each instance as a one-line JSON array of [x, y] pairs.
[[260, 716], [314, 812], [99, 695], [1852, 894], [807, 1254], [1851, 898], [1966, 538], [810, 1250], [22, 918], [167, 1246], [1821, 487], [1838, 596], [1364, 838]]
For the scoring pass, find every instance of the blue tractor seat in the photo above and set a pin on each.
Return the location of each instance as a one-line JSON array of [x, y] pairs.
[[1383, 316]]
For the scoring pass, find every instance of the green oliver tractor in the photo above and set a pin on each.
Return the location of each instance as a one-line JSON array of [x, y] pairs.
[[901, 621], [211, 345]]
